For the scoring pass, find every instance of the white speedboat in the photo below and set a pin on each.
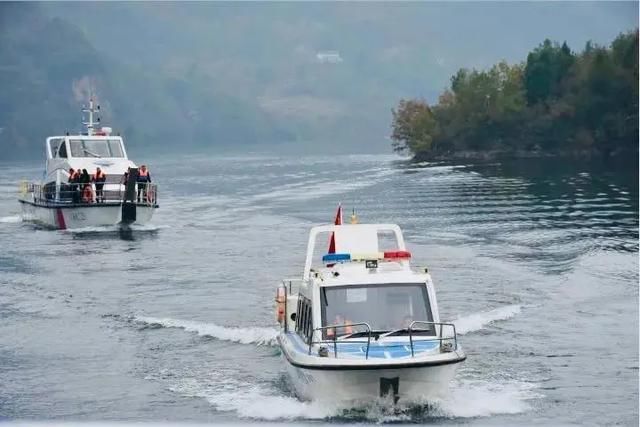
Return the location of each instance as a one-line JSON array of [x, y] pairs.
[[115, 200], [361, 324]]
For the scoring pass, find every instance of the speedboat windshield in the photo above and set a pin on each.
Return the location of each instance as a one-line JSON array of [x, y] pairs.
[[96, 148], [385, 308]]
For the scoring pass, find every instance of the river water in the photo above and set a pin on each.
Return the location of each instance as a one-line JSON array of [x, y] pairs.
[[535, 261]]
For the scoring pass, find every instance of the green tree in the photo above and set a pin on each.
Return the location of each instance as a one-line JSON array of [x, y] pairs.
[[545, 70], [414, 127], [557, 102]]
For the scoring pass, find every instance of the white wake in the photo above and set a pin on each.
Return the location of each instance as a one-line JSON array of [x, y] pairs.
[[477, 321], [242, 335], [467, 399], [13, 219]]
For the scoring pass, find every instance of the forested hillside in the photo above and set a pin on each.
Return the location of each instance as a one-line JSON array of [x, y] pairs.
[[557, 102], [48, 69]]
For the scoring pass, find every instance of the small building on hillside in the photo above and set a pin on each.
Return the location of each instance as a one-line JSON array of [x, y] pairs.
[[329, 57]]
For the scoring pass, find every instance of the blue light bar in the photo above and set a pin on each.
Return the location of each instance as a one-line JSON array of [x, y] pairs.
[[336, 257]]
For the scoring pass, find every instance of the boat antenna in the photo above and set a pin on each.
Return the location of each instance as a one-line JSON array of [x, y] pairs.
[[91, 110]]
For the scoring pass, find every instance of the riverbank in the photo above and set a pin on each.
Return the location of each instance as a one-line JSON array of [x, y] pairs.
[[490, 155]]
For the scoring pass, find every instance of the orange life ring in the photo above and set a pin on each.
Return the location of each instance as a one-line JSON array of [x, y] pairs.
[[281, 301]]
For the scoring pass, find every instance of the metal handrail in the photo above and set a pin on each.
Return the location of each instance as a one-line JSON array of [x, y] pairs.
[[64, 193], [440, 337], [410, 329], [335, 337]]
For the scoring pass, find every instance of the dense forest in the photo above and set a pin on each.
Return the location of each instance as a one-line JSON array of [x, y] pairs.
[[557, 102]]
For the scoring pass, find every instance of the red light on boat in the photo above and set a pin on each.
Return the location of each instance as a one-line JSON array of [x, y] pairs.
[[397, 255]]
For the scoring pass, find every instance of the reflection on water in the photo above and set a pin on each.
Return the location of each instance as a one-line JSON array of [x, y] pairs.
[[535, 261]]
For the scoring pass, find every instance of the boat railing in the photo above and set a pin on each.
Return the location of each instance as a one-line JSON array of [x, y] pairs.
[[292, 285], [334, 340], [446, 343], [74, 193]]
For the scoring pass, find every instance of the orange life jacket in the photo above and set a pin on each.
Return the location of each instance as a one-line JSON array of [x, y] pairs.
[[143, 173], [98, 175]]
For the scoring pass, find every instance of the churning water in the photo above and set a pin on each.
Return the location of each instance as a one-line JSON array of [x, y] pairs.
[[535, 261]]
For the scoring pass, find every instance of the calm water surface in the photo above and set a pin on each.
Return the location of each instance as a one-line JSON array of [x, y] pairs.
[[536, 262]]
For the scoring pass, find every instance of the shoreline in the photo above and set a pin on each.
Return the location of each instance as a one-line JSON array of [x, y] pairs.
[[493, 155]]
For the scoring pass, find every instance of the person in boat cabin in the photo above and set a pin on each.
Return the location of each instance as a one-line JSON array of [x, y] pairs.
[[406, 322], [144, 178], [345, 330], [99, 179]]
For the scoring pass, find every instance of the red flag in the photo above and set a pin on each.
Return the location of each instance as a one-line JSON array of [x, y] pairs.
[[338, 221]]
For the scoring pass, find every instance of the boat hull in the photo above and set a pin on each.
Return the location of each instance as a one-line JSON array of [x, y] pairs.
[[78, 217], [425, 377], [410, 383]]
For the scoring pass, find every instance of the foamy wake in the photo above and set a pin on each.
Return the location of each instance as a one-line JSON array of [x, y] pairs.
[[475, 322], [261, 402], [252, 401], [483, 399], [267, 336], [114, 229], [248, 335], [10, 219]]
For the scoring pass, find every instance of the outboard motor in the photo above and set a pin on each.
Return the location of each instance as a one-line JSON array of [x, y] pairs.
[[129, 202]]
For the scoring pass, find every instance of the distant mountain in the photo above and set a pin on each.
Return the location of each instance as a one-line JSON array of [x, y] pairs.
[[49, 68], [235, 74]]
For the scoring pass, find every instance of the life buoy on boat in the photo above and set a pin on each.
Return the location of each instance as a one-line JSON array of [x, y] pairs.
[[281, 303]]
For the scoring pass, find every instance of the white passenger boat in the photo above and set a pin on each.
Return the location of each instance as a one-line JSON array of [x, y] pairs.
[[58, 203], [362, 324]]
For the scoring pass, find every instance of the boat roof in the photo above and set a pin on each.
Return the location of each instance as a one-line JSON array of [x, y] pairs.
[[357, 246], [357, 274]]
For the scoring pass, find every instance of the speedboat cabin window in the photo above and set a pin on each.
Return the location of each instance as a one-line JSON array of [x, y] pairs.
[[96, 148], [304, 321], [54, 146], [385, 308], [115, 148], [62, 150]]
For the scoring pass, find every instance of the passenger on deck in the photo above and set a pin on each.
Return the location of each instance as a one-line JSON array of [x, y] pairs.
[[66, 191], [99, 179], [74, 180], [144, 178], [85, 183]]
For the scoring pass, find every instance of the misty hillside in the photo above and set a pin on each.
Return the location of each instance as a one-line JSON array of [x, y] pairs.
[[307, 75]]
